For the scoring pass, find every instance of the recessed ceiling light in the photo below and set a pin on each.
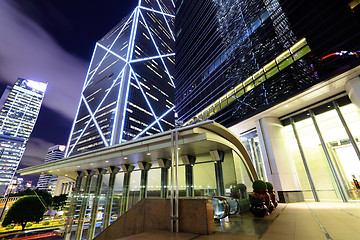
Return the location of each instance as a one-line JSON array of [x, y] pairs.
[[106, 161], [286, 105], [148, 154], [91, 164], [125, 158], [78, 166]]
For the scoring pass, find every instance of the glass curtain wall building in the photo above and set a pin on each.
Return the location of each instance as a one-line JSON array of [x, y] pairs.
[[18, 115], [251, 64], [129, 88], [47, 182]]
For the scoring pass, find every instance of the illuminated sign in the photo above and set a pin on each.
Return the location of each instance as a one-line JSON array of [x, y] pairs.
[[62, 147], [37, 86]]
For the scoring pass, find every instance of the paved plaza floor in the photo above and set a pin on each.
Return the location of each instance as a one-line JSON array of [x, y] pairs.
[[295, 221]]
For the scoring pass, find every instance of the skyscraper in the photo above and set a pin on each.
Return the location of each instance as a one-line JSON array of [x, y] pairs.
[[18, 115], [128, 90], [284, 76], [46, 181], [228, 52]]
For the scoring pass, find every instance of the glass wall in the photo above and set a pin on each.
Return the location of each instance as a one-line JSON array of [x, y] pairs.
[[342, 155], [251, 142]]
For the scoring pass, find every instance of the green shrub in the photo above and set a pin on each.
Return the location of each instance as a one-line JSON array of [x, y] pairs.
[[259, 185], [10, 226], [269, 186], [46, 223], [29, 224]]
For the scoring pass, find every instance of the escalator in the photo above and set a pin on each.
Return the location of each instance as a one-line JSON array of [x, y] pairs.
[[225, 206]]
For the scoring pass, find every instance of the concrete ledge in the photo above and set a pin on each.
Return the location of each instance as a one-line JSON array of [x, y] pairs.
[[195, 216]]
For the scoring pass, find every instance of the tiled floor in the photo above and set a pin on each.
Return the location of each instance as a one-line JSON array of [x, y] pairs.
[[296, 221]]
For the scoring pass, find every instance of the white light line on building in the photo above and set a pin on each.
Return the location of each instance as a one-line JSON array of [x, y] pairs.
[[125, 106], [157, 49], [171, 32], [88, 71], [113, 53], [110, 47], [78, 108], [147, 100], [133, 35], [155, 11], [148, 127], [173, 3], [83, 130], [150, 58], [94, 120]]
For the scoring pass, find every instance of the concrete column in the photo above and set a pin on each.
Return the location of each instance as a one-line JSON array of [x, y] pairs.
[[62, 188], [352, 88], [165, 165], [145, 167], [94, 209], [67, 187], [109, 196], [280, 168], [189, 162], [127, 168], [72, 208], [218, 158], [79, 229]]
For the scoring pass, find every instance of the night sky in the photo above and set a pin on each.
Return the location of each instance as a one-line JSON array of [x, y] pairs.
[[52, 41]]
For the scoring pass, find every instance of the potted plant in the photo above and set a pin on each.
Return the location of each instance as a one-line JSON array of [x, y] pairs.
[[259, 187], [271, 192], [257, 205]]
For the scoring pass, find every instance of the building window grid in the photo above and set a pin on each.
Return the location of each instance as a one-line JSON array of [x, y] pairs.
[[288, 57]]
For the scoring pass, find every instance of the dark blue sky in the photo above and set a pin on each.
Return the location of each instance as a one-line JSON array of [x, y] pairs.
[[53, 40]]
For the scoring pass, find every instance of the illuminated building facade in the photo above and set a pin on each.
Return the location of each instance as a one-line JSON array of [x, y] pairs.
[[128, 90], [282, 75], [17, 118], [46, 181]]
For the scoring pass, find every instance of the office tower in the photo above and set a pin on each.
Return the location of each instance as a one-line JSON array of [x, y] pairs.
[[282, 75], [128, 90], [17, 118], [46, 181], [227, 49]]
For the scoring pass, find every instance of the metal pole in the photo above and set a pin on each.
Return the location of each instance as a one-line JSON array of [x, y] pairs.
[[327, 154], [307, 169], [72, 208], [95, 206], [176, 182], [351, 137], [172, 185]]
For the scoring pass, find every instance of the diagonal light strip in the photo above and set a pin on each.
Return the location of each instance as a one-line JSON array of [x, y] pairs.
[[94, 120], [171, 32], [95, 111], [152, 124], [111, 46], [150, 58], [146, 99], [155, 11], [133, 35], [125, 106], [88, 71], [173, 3], [157, 49], [112, 52]]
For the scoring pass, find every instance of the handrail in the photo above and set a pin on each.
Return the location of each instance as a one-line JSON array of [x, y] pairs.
[[220, 210]]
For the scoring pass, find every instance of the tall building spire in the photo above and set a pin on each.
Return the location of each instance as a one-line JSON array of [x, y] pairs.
[[129, 88]]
